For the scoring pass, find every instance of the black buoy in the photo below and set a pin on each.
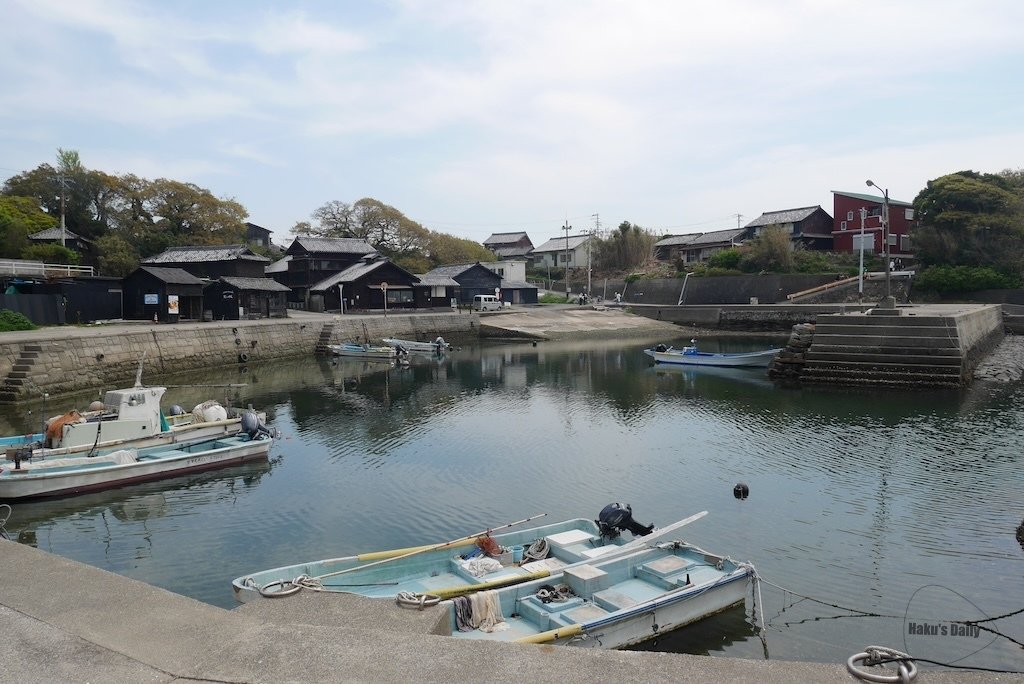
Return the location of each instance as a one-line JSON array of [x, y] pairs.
[[741, 491]]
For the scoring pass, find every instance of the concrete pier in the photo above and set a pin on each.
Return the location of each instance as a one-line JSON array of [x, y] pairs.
[[68, 622]]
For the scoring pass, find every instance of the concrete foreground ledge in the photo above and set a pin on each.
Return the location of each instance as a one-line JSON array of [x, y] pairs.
[[65, 621]]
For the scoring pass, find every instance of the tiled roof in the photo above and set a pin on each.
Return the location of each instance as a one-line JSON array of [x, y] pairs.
[[54, 234], [196, 254], [505, 252], [697, 239], [279, 266], [352, 274], [558, 244], [261, 284], [322, 245], [430, 280], [770, 218], [518, 285], [872, 198], [505, 238], [451, 270], [172, 276]]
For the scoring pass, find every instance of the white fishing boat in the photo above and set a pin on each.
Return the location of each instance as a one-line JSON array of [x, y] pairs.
[[460, 565], [77, 474], [438, 346], [365, 351], [693, 357], [130, 417], [611, 602]]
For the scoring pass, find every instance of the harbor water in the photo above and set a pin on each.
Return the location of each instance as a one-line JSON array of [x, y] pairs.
[[873, 517]]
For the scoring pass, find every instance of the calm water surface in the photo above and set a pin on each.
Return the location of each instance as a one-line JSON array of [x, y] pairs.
[[892, 504]]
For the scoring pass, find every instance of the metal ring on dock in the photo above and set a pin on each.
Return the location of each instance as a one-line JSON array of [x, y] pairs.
[[266, 593], [878, 655]]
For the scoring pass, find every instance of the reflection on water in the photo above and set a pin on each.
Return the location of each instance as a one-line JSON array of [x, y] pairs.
[[858, 498]]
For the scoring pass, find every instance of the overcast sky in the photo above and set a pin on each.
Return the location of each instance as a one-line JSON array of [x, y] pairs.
[[482, 117]]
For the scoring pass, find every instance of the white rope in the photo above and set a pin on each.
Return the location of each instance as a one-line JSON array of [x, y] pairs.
[[408, 599], [874, 656]]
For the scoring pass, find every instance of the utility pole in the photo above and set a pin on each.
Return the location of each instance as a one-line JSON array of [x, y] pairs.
[[590, 241], [739, 217], [63, 227], [566, 228], [860, 273]]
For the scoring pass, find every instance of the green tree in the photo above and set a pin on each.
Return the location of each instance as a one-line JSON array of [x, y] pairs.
[[627, 248], [117, 256], [443, 249], [19, 218], [972, 219], [769, 251], [50, 253]]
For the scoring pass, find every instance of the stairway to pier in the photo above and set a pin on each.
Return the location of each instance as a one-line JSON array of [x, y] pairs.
[[864, 349], [325, 339], [16, 382]]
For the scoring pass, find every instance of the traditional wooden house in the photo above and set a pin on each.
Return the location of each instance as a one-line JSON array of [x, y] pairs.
[[365, 285], [212, 261], [846, 228], [76, 243], [810, 227], [473, 279], [436, 291], [509, 245], [310, 260], [164, 294], [231, 298], [696, 247]]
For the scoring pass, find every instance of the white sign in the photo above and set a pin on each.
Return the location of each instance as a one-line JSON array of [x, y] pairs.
[[172, 304], [869, 242], [150, 299]]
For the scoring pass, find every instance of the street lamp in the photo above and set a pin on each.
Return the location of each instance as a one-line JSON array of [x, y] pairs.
[[885, 231]]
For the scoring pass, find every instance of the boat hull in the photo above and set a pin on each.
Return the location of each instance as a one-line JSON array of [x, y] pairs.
[[412, 346], [70, 480], [430, 570], [364, 352], [686, 357], [620, 601]]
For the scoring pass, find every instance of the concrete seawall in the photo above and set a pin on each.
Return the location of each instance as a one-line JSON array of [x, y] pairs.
[[70, 359]]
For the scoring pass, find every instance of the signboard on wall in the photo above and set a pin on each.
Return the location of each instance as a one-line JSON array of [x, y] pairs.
[[172, 304], [150, 299]]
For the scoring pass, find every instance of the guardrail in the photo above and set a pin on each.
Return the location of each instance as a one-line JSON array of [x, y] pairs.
[[38, 268]]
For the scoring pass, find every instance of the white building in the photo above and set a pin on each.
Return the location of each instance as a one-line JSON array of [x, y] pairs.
[[514, 270], [571, 252]]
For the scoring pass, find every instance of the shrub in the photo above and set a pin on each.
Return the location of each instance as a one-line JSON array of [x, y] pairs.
[[950, 279], [727, 259], [807, 261], [12, 320], [550, 298]]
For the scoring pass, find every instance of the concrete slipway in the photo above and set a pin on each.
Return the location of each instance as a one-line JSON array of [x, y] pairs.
[[62, 621]]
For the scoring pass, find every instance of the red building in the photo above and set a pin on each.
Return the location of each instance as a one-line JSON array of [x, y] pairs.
[[847, 229]]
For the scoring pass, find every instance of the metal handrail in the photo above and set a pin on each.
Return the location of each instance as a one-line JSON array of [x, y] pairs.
[[19, 267]]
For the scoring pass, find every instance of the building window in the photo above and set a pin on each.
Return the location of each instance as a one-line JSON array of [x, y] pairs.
[[842, 225], [438, 291], [849, 216], [908, 214], [563, 257], [905, 242]]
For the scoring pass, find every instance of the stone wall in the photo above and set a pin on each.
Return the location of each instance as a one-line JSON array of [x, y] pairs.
[[67, 363]]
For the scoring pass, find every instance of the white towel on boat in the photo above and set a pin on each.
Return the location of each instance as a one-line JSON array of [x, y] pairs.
[[481, 565], [487, 611]]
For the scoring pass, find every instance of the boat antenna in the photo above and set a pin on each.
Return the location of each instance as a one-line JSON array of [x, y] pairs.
[[138, 374]]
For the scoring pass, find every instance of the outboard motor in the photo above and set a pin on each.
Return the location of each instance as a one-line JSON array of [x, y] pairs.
[[660, 348], [252, 426], [615, 518]]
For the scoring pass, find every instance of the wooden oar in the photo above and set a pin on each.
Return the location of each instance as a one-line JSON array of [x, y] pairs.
[[432, 547]]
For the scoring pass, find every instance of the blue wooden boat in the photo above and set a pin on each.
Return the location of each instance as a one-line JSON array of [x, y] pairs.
[[693, 357], [607, 603], [365, 351], [454, 567]]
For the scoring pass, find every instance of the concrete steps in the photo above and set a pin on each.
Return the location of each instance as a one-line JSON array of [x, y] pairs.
[[18, 378], [889, 349], [326, 333]]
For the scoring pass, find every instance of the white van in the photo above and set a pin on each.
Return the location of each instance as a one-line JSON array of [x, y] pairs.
[[486, 303]]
